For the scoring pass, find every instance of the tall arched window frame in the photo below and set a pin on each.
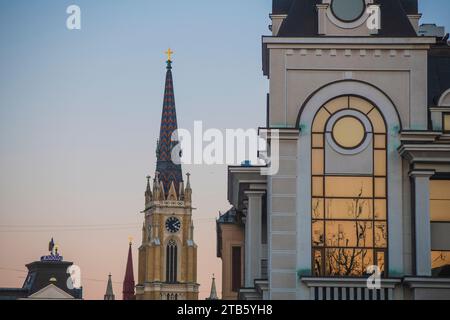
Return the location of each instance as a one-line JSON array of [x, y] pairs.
[[349, 211], [171, 262]]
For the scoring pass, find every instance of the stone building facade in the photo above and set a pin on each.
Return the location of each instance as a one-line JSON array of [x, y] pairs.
[[363, 119]]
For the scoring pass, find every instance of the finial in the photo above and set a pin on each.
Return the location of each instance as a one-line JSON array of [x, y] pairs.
[[188, 182], [51, 246], [169, 59], [148, 179], [169, 53], [130, 240]]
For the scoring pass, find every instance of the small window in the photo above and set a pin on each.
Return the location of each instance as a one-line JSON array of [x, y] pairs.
[[236, 269], [171, 262]]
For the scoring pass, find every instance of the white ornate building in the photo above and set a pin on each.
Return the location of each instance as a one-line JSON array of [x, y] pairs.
[[364, 122]]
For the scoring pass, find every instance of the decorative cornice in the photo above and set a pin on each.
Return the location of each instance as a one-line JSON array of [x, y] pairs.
[[258, 193], [350, 40], [346, 282], [278, 16], [435, 283], [422, 136], [422, 173], [280, 133]]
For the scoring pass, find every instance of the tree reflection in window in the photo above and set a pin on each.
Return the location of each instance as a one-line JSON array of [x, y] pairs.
[[349, 213]]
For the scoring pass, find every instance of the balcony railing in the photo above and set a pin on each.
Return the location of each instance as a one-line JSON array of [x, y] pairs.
[[349, 289]]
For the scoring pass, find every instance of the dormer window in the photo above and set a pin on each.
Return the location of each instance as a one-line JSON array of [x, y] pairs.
[[348, 10]]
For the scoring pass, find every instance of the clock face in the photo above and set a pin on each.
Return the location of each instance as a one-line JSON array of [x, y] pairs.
[[348, 10], [173, 225]]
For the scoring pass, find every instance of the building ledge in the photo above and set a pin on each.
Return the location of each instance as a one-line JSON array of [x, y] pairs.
[[347, 282], [419, 136], [420, 282]]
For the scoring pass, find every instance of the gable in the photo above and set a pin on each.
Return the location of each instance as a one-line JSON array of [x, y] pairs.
[[51, 292]]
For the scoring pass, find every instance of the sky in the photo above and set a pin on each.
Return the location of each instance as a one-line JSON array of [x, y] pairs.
[[80, 113]]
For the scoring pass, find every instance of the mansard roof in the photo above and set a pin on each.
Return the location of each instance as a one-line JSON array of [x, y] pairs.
[[302, 18], [410, 6], [281, 6]]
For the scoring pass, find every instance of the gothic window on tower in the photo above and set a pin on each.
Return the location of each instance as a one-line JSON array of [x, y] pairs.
[[171, 262], [349, 188]]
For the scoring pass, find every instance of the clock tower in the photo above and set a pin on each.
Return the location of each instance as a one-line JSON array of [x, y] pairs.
[[168, 254]]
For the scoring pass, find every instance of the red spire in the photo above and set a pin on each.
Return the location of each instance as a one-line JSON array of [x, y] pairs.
[[128, 283]]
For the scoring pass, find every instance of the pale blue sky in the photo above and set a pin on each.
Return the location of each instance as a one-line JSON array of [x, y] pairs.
[[80, 113]]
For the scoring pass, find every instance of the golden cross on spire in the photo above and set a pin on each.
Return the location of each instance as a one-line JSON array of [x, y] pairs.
[[169, 54]]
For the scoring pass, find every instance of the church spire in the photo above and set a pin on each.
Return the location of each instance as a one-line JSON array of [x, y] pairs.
[[109, 295], [128, 283], [213, 294], [168, 171]]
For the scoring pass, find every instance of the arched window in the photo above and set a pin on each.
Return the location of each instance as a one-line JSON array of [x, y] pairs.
[[349, 188], [171, 262]]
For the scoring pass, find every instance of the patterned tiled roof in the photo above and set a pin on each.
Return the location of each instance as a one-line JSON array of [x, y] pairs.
[[168, 171]]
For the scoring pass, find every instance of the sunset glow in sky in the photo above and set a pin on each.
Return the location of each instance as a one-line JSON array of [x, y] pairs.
[[80, 114]]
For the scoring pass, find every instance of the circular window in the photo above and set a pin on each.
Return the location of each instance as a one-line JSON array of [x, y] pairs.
[[349, 132], [348, 10]]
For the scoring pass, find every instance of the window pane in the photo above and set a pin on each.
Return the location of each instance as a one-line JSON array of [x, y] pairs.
[[380, 187], [447, 122], [381, 260], [349, 132], [347, 262], [337, 104], [440, 210], [380, 210], [317, 208], [320, 121], [317, 187], [349, 187], [318, 238], [377, 121], [317, 162], [380, 163], [440, 200], [381, 234], [317, 140], [349, 234], [380, 141], [360, 104], [343, 209], [318, 265], [440, 263], [440, 189]]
